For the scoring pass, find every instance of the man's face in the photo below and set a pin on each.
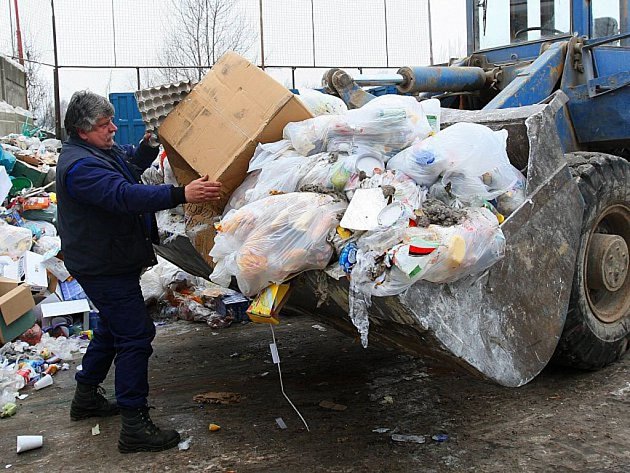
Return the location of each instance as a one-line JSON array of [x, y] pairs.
[[102, 133]]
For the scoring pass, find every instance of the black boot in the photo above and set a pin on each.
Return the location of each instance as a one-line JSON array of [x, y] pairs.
[[140, 434], [89, 401]]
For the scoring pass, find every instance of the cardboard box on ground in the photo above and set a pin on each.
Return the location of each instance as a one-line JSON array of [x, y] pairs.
[[216, 129], [16, 316]]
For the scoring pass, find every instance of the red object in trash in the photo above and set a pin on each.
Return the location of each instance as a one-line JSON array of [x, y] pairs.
[[33, 335], [420, 250]]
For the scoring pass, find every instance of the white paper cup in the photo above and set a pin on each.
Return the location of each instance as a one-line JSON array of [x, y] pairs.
[[44, 382], [29, 442]]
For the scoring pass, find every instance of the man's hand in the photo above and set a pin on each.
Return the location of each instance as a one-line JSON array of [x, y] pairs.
[[202, 190]]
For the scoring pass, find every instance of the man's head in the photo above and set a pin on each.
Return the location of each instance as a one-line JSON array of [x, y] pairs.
[[89, 117]]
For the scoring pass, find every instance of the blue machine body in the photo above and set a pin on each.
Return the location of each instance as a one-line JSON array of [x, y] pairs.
[[127, 118]]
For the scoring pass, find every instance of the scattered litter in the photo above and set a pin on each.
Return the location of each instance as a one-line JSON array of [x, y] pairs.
[[8, 409], [184, 444], [21, 397], [218, 398], [44, 382], [29, 442], [8, 466], [408, 438], [332, 406], [79, 367], [281, 423], [234, 355], [622, 391], [387, 400], [440, 437], [319, 327], [381, 430], [65, 367], [214, 427], [96, 430], [262, 375]]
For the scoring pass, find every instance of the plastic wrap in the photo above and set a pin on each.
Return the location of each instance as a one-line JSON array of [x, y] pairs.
[[269, 240], [322, 104]]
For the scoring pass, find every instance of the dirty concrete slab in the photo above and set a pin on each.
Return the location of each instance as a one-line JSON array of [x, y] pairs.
[[563, 420]]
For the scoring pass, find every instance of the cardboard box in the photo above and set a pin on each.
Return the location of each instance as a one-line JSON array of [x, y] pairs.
[[216, 129], [56, 309], [16, 315]]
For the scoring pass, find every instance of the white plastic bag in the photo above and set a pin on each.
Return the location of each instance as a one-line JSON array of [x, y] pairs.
[[322, 104], [269, 240]]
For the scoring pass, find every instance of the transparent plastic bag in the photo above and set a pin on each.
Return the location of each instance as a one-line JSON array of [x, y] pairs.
[[322, 104], [308, 137], [269, 240], [515, 195], [386, 124], [279, 176], [239, 196], [329, 171], [460, 250], [267, 152], [470, 156], [14, 241]]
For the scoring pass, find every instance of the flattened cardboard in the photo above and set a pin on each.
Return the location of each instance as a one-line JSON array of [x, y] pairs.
[[17, 328], [15, 303], [216, 128]]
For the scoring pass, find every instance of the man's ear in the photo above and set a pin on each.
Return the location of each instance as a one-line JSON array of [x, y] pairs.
[[82, 134]]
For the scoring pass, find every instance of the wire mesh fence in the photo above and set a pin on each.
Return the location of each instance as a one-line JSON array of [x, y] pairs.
[[117, 45]]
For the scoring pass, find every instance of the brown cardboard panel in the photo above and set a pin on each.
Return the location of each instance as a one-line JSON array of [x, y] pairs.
[[15, 303], [216, 129], [6, 284], [292, 111]]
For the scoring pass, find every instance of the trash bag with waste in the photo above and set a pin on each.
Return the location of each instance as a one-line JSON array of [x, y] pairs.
[[471, 159], [322, 104], [274, 238]]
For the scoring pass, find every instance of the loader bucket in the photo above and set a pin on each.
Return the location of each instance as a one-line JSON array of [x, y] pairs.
[[503, 324]]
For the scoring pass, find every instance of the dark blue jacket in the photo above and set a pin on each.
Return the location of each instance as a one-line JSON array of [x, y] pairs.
[[105, 215]]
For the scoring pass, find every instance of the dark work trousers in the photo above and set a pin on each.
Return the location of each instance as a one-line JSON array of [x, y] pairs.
[[124, 335]]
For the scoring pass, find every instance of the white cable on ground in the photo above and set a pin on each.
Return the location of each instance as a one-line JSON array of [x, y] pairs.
[[277, 362]]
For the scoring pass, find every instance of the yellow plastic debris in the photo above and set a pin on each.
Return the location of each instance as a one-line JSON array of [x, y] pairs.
[[214, 427]]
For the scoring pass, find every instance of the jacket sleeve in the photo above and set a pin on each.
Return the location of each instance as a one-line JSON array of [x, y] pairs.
[[92, 182], [141, 156]]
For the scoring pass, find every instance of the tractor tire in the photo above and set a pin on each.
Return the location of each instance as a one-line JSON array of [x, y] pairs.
[[597, 328]]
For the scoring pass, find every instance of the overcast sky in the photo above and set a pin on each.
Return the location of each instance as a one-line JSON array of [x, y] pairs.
[[85, 36]]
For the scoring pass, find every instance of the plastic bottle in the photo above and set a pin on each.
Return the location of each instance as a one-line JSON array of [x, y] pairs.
[[432, 110]]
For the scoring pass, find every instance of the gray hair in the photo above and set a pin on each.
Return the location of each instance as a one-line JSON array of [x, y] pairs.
[[84, 110]]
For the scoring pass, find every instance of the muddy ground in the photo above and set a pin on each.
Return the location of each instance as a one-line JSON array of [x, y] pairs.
[[561, 421]]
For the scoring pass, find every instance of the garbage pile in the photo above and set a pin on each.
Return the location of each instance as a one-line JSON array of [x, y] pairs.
[[175, 294], [378, 195]]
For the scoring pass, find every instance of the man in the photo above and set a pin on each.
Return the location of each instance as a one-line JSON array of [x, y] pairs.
[[107, 229]]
